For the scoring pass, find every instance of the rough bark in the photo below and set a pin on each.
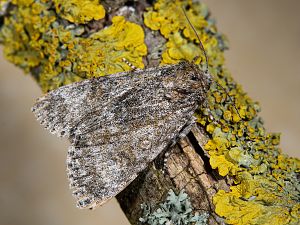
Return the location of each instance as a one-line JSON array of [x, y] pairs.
[[183, 166]]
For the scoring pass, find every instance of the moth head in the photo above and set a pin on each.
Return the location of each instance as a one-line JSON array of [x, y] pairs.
[[192, 79], [187, 82]]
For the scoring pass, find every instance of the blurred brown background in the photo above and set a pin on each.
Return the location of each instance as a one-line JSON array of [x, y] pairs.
[[264, 57]]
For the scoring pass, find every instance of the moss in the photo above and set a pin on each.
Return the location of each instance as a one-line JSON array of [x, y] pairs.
[[266, 188]]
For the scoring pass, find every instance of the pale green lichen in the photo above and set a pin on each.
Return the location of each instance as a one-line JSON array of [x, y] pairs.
[[177, 209], [266, 188]]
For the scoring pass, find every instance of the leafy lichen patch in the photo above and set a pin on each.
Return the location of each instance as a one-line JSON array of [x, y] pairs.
[[79, 11], [266, 188], [177, 209], [182, 43], [36, 39]]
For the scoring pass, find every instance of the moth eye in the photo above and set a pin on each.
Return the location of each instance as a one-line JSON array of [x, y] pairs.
[[194, 77]]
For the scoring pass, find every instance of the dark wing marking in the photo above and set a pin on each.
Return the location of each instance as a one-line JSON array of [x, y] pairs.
[[118, 124]]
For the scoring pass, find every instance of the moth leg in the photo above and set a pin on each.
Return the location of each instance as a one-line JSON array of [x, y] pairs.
[[195, 59], [183, 133], [187, 128]]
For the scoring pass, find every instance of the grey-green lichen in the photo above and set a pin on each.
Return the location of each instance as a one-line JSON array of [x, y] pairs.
[[176, 210]]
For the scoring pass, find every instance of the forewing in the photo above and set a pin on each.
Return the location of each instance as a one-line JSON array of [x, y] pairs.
[[61, 110], [116, 125], [99, 172]]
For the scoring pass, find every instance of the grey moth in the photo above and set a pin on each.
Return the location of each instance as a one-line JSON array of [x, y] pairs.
[[118, 124]]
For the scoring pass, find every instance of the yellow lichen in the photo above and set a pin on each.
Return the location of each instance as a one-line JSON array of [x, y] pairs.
[[266, 189], [35, 40], [182, 43], [252, 202], [79, 11], [224, 166], [237, 210], [22, 2], [100, 54]]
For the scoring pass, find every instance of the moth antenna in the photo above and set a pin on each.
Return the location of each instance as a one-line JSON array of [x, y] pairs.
[[200, 42], [129, 64], [206, 59]]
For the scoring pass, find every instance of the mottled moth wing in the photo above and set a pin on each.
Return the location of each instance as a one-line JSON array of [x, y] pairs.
[[119, 123]]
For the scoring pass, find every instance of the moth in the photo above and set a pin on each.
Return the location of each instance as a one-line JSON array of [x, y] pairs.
[[118, 124]]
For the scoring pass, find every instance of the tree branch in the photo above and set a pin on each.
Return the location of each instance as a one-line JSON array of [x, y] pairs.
[[228, 165]]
